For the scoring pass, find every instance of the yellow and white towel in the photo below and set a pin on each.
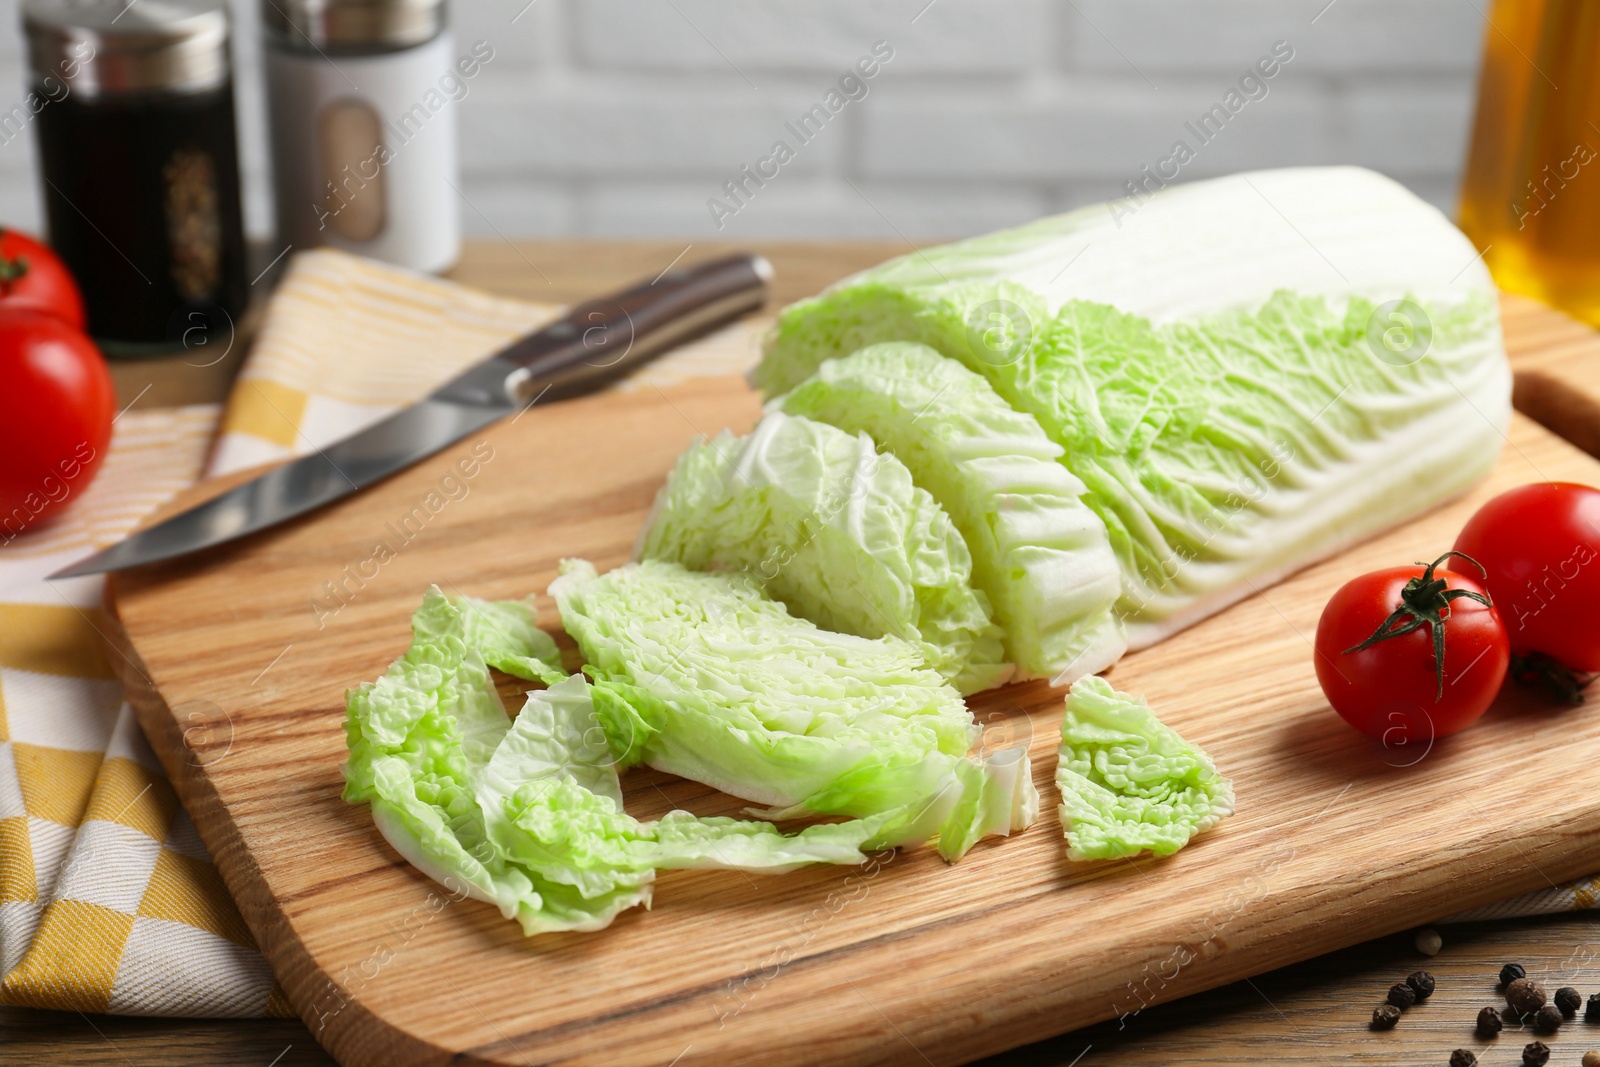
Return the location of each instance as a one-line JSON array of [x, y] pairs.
[[108, 901]]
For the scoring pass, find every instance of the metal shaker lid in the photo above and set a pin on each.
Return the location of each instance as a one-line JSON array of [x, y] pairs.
[[105, 47], [354, 25]]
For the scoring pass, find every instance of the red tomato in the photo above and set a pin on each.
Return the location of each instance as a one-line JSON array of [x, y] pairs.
[[31, 276], [1393, 689], [1540, 544], [56, 407]]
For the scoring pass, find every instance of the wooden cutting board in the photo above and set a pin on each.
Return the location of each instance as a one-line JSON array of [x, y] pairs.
[[237, 663]]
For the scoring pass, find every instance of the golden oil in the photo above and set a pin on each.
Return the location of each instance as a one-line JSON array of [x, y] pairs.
[[1530, 198]]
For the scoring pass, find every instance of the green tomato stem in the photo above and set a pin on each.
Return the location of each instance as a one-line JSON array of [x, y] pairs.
[[1426, 599]]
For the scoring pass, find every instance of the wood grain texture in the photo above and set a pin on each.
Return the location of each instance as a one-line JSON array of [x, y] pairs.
[[1335, 841], [31, 1037], [1557, 370], [1317, 1012], [571, 270], [1309, 1014]]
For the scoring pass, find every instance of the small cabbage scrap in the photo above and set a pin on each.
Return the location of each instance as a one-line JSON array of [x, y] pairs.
[[1128, 782], [527, 814], [701, 675], [1039, 552], [837, 532]]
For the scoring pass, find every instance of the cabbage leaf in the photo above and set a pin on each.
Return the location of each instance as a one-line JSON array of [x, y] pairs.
[[527, 814], [701, 675], [836, 531], [1042, 556], [1128, 782]]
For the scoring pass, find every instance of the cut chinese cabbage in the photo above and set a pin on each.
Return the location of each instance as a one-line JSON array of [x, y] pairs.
[[442, 683], [1041, 554], [552, 802], [528, 814], [1129, 783], [1248, 373], [837, 532], [701, 675]]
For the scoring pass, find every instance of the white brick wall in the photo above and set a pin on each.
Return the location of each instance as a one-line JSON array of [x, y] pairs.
[[621, 117]]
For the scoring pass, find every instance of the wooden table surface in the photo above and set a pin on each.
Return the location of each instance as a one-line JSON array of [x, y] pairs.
[[1312, 1013]]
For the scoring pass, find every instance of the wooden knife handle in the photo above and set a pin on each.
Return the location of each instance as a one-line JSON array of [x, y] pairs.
[[604, 339]]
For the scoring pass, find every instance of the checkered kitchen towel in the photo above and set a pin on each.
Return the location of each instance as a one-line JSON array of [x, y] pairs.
[[108, 901]]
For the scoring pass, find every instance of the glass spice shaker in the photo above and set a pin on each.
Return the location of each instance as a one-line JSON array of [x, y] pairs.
[[139, 161], [362, 95]]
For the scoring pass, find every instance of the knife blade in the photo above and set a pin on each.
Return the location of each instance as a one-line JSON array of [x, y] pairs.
[[592, 345]]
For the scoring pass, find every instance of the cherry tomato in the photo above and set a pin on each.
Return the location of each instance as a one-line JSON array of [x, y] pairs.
[[1376, 653], [1540, 544], [31, 276], [56, 407]]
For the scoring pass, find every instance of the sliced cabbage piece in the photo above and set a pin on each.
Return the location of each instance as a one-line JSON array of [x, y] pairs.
[[436, 708], [421, 734], [1039, 552], [528, 814], [1128, 782], [701, 675], [1248, 373], [836, 531], [552, 803]]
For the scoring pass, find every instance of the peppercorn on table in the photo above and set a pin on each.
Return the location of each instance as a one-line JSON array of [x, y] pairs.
[[1314, 1012]]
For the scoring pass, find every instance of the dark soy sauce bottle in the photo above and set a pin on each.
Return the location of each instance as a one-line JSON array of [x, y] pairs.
[[139, 165]]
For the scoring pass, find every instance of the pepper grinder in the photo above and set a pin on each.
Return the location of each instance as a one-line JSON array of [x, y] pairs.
[[362, 95], [139, 161]]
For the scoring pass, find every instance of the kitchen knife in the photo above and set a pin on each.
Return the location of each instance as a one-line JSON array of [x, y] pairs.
[[592, 345]]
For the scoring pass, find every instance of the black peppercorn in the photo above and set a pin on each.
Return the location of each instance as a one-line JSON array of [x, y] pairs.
[[1525, 996], [1548, 1019], [1489, 1023], [1463, 1058], [1421, 984], [1384, 1016], [1592, 1013], [1536, 1054], [1402, 996], [1569, 1000], [1510, 973]]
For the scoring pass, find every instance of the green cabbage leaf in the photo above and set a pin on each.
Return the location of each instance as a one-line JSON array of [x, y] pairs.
[[527, 814], [1038, 551], [1129, 783], [701, 675], [1248, 374], [839, 533]]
